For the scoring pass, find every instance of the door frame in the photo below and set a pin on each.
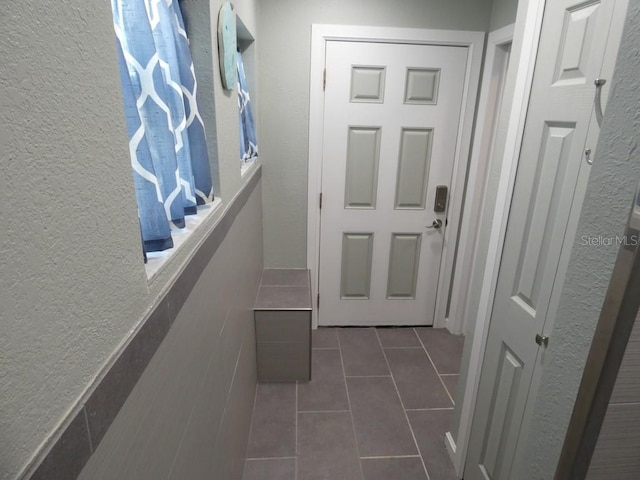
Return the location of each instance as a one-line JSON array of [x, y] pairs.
[[526, 38], [320, 35], [482, 150]]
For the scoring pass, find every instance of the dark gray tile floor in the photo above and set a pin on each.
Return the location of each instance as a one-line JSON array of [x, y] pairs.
[[378, 406]]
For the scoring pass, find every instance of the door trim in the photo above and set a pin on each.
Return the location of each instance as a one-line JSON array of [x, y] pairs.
[[479, 166], [320, 35], [523, 56]]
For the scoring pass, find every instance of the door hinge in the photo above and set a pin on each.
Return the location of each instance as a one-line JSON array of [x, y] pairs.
[[320, 200], [318, 300], [324, 80]]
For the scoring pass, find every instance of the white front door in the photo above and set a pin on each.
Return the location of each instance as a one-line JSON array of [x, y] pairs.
[[549, 190], [391, 121]]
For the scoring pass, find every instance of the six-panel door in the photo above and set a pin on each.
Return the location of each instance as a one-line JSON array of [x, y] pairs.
[[390, 132]]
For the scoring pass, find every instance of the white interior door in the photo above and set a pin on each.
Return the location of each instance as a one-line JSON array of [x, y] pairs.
[[548, 194], [390, 129]]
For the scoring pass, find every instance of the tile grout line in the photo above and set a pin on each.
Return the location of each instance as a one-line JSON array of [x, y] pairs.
[[323, 411], [295, 448], [447, 388], [353, 423], [389, 456], [86, 423], [367, 376], [184, 433], [256, 459], [413, 435], [435, 368], [437, 409], [253, 411], [400, 348]]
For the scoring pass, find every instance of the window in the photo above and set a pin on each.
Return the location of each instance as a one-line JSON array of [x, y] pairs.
[[248, 141], [167, 141]]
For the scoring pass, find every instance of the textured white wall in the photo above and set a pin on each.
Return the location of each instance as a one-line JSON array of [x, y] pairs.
[[285, 42], [73, 283], [68, 214], [614, 178]]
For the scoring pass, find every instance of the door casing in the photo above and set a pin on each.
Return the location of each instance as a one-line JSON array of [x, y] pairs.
[[526, 38], [492, 91], [320, 35]]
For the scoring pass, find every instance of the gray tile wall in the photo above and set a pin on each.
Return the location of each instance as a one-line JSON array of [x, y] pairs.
[[617, 453], [177, 402]]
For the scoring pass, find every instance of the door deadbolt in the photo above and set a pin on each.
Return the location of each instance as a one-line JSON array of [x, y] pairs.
[[441, 199]]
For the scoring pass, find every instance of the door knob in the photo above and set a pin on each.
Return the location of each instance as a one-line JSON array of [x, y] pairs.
[[542, 340], [437, 223]]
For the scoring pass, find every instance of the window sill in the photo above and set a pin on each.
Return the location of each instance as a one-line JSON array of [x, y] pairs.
[[156, 261], [247, 167]]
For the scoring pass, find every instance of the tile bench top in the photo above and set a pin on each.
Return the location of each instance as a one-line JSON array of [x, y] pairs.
[[284, 289]]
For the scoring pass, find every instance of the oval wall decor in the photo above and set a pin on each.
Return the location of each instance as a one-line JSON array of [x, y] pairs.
[[227, 45]]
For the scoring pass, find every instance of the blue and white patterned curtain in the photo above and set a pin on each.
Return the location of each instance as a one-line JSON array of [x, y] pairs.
[[248, 142], [166, 134]]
